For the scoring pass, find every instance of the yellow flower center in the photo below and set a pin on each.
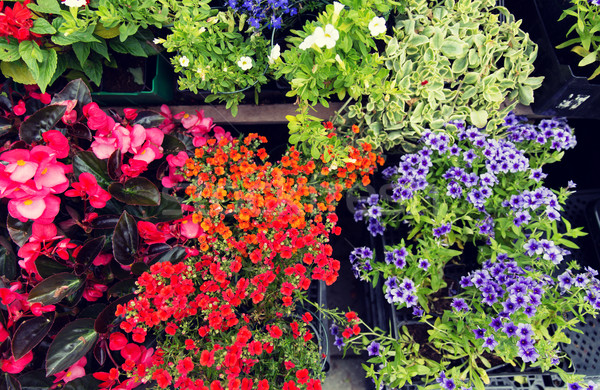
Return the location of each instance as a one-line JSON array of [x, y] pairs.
[[28, 202], [45, 171], [21, 163]]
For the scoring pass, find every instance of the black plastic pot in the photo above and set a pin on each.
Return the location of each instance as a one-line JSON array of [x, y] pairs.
[[564, 92]]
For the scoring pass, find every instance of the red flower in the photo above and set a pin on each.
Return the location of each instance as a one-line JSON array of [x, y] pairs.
[[117, 341], [162, 377], [307, 317], [207, 358], [13, 366], [289, 365], [171, 328], [302, 376], [19, 109], [88, 188], [186, 365], [255, 348]]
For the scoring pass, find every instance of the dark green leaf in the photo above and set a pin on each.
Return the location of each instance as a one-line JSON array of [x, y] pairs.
[[100, 352], [125, 239], [54, 288], [47, 267], [100, 48], [92, 311], [105, 222], [93, 70], [42, 26], [114, 165], [172, 145], [74, 90], [8, 260], [88, 162], [130, 46], [19, 231], [139, 268], [42, 120], [124, 287], [136, 191], [70, 345], [90, 250], [35, 380], [45, 6], [84, 383], [174, 255], [169, 210], [148, 119], [5, 125], [9, 382], [108, 315], [30, 333], [80, 130], [47, 68]]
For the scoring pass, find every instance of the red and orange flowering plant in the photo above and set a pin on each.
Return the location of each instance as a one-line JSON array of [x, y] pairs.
[[231, 316], [86, 209]]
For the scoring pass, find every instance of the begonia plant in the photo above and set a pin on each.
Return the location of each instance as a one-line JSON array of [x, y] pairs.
[[83, 216]]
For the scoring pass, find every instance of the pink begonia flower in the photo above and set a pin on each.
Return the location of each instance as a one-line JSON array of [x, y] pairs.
[[88, 188], [155, 136], [98, 119], [190, 229], [19, 109], [130, 113], [148, 153], [93, 291], [138, 137], [117, 341], [77, 370], [13, 366], [19, 165], [131, 351], [37, 309], [167, 125], [58, 142], [70, 116], [40, 234], [151, 234], [102, 259], [3, 333], [134, 168], [43, 209], [175, 162]]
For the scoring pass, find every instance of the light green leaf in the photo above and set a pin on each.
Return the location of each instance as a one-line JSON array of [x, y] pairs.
[[18, 71], [82, 51], [590, 58], [42, 26], [45, 6], [454, 47], [9, 51], [479, 118], [47, 69]]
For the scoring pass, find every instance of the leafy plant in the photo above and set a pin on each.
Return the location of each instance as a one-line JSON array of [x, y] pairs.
[[446, 60], [585, 16], [49, 40]]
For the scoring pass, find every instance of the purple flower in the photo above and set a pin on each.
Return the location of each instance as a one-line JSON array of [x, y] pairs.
[[479, 333], [459, 304], [565, 281], [334, 329], [510, 329], [529, 355], [490, 343], [374, 349], [496, 324], [339, 342], [424, 264], [417, 311]]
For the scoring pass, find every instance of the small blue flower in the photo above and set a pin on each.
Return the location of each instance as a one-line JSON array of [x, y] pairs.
[[374, 349]]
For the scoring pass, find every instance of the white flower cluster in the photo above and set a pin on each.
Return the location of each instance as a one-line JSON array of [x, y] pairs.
[[74, 3], [245, 63], [377, 26], [275, 53], [321, 37]]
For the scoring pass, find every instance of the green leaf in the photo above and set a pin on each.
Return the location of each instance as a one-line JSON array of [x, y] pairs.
[[588, 59], [136, 191], [17, 71], [9, 382], [54, 288], [125, 239], [9, 50], [88, 162], [454, 48], [93, 70], [101, 48], [47, 69], [42, 26], [82, 51], [40, 121], [70, 345], [30, 333], [479, 118], [525, 94], [174, 255], [130, 46], [19, 231], [45, 6]]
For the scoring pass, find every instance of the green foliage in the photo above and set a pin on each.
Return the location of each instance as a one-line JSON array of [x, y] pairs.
[[454, 60], [585, 17], [211, 47]]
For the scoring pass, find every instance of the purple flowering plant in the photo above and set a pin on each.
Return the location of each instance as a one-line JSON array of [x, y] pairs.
[[464, 187]]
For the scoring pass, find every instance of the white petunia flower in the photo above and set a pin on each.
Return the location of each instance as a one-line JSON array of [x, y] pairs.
[[307, 42], [184, 61], [275, 53], [74, 3], [326, 37], [377, 26], [337, 8], [158, 41], [245, 63]]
